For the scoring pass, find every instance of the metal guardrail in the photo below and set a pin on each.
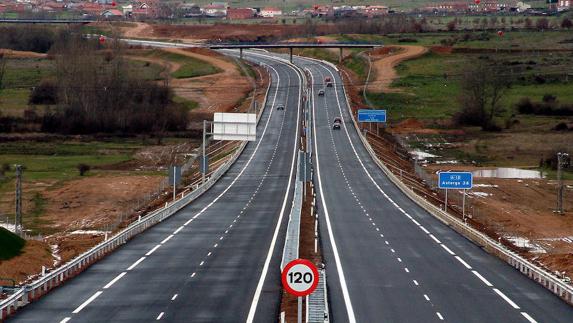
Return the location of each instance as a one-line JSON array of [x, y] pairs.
[[538, 274], [290, 250], [75, 266], [317, 302]]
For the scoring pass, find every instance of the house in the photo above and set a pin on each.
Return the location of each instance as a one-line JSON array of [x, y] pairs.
[[565, 4], [240, 13], [112, 14], [271, 12], [215, 10], [190, 10], [127, 9], [375, 11]]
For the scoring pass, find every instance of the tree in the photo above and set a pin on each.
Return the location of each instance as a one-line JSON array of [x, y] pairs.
[[2, 70], [566, 23], [452, 25], [482, 88], [542, 24]]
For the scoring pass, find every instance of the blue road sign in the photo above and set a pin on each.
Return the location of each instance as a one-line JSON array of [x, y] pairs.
[[371, 115], [455, 180]]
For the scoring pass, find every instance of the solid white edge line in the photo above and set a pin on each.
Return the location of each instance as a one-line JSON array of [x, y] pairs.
[[435, 239], [113, 281], [507, 299], [338, 263], [528, 317], [167, 239], [65, 319], [485, 281], [448, 250], [257, 295], [136, 263], [152, 250], [463, 262], [87, 302]]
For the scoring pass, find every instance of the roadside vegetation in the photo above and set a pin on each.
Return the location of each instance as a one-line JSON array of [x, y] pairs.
[[11, 244]]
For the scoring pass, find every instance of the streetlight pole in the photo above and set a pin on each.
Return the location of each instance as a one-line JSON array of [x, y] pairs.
[[561, 158]]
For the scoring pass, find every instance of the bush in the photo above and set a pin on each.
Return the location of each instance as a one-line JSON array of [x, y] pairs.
[[27, 38], [45, 93], [548, 107], [562, 126], [83, 169], [524, 106]]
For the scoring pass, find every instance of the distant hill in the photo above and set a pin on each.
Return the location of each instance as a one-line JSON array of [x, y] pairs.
[[10, 244]]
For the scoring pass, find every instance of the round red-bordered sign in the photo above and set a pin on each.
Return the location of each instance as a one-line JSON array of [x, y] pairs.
[[300, 277]]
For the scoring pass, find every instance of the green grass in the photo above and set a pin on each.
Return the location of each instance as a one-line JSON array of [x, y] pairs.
[[358, 65], [428, 94], [58, 160], [14, 101], [190, 66], [11, 244], [189, 105]]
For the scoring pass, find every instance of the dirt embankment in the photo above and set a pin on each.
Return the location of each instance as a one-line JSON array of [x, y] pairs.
[[219, 92], [225, 31], [384, 65], [35, 254], [9, 53]]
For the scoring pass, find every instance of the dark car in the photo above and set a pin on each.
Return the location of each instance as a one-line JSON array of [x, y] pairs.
[[337, 123], [328, 84], [280, 107], [321, 92]]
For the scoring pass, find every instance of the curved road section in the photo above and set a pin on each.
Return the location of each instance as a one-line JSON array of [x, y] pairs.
[[218, 259], [387, 259]]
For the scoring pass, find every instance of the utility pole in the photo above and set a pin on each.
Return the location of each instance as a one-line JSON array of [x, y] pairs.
[[561, 159], [18, 222]]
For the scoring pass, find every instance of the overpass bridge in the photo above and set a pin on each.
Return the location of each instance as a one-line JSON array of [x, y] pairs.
[[291, 46]]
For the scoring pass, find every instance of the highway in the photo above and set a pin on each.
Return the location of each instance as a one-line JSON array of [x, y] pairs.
[[218, 259], [387, 259]]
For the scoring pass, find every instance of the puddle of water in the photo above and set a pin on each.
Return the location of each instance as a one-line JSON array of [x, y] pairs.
[[508, 173], [419, 155]]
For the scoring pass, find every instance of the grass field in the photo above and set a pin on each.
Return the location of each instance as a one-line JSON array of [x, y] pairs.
[[58, 160], [190, 67], [430, 84], [11, 244]]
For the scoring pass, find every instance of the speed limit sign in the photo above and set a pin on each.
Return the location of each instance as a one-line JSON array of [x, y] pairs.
[[300, 277]]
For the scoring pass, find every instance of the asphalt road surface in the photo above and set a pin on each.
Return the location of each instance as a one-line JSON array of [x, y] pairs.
[[387, 259], [217, 260]]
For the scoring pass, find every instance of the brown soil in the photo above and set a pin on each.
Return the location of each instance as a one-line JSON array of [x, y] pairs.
[[222, 32], [34, 255], [384, 68], [93, 202], [21, 54]]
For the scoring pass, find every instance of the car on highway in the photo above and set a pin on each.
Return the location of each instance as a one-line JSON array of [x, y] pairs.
[[280, 107], [328, 81], [336, 123], [321, 92], [328, 84]]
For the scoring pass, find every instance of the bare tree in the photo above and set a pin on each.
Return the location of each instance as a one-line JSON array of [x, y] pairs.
[[483, 86]]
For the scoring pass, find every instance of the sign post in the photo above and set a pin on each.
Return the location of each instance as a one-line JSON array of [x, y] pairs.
[[455, 180], [365, 115], [300, 278]]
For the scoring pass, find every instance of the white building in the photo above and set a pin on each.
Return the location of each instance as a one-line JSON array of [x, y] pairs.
[[271, 12]]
